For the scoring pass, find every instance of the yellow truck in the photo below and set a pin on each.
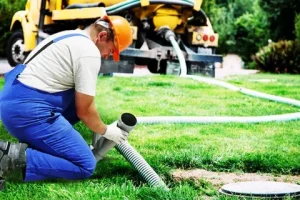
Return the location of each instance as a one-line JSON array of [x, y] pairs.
[[151, 21]]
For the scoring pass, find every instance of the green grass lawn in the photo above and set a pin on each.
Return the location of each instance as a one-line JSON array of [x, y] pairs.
[[271, 147]]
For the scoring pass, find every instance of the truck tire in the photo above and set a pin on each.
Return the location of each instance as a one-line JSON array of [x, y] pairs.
[[15, 48]]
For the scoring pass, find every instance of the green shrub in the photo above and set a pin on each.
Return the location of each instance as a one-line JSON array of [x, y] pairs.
[[280, 57], [251, 31], [242, 26], [7, 10], [297, 27]]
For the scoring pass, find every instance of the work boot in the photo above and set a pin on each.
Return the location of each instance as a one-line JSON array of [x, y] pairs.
[[12, 156]]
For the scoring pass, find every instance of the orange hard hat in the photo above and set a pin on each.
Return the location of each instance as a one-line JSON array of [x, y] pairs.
[[122, 32]]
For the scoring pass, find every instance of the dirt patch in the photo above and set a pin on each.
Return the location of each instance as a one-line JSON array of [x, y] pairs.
[[221, 178]]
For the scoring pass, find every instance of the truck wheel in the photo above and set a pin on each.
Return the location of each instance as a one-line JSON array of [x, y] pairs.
[[15, 48]]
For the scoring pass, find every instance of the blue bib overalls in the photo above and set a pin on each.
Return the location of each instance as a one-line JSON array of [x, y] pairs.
[[44, 121]]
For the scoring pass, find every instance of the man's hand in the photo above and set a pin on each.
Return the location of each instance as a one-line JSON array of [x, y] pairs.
[[115, 134]]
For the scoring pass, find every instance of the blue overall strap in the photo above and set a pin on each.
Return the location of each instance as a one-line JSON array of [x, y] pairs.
[[53, 41], [10, 76]]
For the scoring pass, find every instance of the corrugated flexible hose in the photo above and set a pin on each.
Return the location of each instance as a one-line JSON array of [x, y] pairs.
[[140, 164], [101, 146]]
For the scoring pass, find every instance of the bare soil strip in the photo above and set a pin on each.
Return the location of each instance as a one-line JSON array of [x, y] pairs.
[[221, 178]]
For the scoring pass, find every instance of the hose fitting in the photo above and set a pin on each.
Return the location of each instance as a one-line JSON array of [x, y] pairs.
[[166, 32], [169, 35]]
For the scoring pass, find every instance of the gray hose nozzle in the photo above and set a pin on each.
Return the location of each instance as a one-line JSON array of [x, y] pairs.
[[127, 122], [101, 145], [169, 34]]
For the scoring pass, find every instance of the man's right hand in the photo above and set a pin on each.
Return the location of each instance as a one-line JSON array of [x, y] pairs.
[[115, 134]]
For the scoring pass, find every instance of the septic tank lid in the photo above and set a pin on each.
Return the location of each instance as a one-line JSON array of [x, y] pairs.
[[261, 189]]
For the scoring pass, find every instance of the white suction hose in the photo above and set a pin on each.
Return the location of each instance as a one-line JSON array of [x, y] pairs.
[[144, 168], [170, 36], [246, 91], [183, 68], [137, 160], [225, 119], [270, 97], [128, 121], [207, 120], [285, 117]]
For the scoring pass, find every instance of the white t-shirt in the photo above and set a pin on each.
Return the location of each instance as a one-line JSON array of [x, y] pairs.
[[72, 62]]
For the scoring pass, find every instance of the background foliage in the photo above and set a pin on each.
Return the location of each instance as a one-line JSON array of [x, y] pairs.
[[297, 28], [246, 26], [242, 25], [280, 57], [281, 15]]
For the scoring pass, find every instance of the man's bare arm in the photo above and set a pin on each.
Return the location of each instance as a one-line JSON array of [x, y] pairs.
[[88, 114]]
